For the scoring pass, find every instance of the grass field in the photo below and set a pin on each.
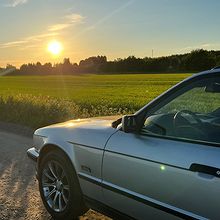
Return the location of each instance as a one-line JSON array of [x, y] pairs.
[[40, 100]]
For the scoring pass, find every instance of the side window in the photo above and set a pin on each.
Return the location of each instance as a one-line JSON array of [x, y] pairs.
[[192, 114]]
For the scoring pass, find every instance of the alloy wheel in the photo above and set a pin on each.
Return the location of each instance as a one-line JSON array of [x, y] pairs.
[[55, 186]]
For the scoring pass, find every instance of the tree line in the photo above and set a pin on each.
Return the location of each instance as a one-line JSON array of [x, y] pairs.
[[196, 60]]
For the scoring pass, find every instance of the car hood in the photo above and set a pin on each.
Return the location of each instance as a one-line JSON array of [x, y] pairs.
[[91, 131]]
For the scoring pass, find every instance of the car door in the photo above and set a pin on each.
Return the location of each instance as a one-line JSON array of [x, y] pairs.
[[171, 175]]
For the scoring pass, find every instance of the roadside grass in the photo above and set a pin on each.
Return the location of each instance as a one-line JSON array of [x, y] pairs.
[[37, 101], [38, 111]]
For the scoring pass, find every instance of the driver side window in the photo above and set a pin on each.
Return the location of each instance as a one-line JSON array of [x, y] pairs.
[[192, 114]]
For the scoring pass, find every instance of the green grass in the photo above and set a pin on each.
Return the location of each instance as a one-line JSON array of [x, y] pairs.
[[40, 100]]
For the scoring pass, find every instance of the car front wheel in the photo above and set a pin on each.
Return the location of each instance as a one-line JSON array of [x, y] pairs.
[[59, 187]]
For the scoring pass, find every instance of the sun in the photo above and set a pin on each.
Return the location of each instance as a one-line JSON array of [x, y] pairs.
[[55, 47]]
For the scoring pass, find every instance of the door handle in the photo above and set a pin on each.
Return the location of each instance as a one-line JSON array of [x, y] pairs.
[[214, 171]]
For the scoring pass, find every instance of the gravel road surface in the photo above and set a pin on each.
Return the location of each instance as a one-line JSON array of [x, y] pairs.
[[19, 196]]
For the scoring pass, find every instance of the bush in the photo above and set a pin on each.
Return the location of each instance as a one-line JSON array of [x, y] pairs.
[[38, 111]]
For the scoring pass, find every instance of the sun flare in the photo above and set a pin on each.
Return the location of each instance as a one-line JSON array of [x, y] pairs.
[[55, 47]]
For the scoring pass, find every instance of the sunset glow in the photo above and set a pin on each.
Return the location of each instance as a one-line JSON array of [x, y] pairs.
[[49, 32], [55, 48]]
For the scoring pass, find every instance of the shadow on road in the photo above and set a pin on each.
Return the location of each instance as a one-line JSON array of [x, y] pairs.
[[19, 195]]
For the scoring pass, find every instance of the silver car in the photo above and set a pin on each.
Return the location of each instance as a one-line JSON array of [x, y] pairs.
[[163, 162]]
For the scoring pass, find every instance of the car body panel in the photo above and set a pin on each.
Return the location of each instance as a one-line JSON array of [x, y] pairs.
[[79, 140], [80, 131], [89, 163], [160, 170]]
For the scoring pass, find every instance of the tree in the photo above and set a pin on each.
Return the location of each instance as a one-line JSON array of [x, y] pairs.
[[92, 64], [199, 60]]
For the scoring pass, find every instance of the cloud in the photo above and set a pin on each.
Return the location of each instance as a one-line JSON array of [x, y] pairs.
[[75, 18], [70, 20], [27, 41], [15, 3], [39, 37], [13, 44], [111, 14], [58, 27], [207, 46]]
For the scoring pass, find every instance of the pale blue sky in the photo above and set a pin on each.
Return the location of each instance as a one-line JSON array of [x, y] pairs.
[[105, 27]]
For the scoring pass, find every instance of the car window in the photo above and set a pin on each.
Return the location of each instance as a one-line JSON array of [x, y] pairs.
[[193, 114]]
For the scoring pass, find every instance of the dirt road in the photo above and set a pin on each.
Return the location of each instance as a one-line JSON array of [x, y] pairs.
[[19, 196]]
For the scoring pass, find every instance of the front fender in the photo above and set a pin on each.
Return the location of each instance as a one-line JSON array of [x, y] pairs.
[[63, 146]]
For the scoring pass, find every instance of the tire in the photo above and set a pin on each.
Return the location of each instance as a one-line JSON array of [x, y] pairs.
[[59, 187]]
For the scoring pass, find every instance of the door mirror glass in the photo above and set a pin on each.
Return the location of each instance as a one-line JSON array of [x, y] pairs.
[[129, 123]]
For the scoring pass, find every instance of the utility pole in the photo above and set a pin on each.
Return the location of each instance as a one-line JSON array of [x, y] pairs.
[[152, 53]]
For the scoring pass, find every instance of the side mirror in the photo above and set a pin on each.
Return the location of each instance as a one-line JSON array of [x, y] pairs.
[[129, 123]]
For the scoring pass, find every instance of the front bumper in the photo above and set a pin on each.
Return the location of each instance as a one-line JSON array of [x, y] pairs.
[[33, 154]]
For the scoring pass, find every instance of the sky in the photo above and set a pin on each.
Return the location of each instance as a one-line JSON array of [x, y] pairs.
[[115, 28]]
